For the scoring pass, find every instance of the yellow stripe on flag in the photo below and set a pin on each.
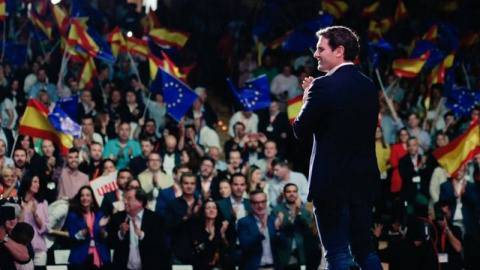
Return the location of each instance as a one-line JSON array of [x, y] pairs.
[[294, 107]]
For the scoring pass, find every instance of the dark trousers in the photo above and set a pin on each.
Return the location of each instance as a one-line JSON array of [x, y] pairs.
[[343, 225]]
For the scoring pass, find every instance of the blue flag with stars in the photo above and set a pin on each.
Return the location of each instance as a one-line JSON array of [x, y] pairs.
[[177, 95], [255, 95], [63, 123], [69, 105]]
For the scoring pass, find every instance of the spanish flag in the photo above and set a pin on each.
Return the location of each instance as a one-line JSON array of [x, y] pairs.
[[335, 8], [35, 123], [150, 21], [138, 46], [167, 65], [370, 10], [278, 43], [431, 34], [401, 11], [117, 42], [409, 67], [166, 37], [461, 150], [44, 26], [374, 31], [61, 18], [89, 71], [3, 10], [386, 24], [294, 107]]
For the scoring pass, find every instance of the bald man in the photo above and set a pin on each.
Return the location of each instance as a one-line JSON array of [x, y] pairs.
[[170, 154]]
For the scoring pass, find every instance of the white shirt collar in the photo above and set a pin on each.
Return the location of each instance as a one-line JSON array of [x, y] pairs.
[[337, 67]]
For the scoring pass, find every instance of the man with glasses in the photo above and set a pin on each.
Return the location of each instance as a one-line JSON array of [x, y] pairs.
[[153, 178], [259, 236]]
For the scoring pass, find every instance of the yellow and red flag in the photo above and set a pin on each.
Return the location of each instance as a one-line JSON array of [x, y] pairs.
[[409, 67], [41, 25], [35, 123], [117, 41], [461, 150], [150, 21], [138, 46], [401, 11], [167, 37], [386, 24], [294, 107], [89, 72], [431, 34], [3, 10], [370, 10], [374, 31], [437, 75], [166, 64], [335, 8], [277, 43], [60, 18]]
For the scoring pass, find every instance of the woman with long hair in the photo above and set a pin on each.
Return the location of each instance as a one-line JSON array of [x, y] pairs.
[[26, 142], [35, 213], [398, 151], [86, 229], [107, 166], [210, 241], [255, 181]]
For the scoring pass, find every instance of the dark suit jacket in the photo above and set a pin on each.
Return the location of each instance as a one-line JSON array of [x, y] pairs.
[[341, 113], [407, 173], [10, 140], [470, 204], [107, 202], [214, 188], [251, 242], [165, 196], [153, 249], [137, 165], [79, 248]]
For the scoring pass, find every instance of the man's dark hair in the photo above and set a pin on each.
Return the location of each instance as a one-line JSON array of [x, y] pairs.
[[88, 116], [209, 159], [342, 36], [447, 114], [255, 192], [192, 127], [238, 124], [289, 185], [239, 175], [141, 196], [187, 174], [179, 167], [124, 170], [279, 162], [73, 150], [145, 139], [21, 149], [94, 143]]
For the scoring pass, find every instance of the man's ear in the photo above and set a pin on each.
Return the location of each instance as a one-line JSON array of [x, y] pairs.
[[340, 51]]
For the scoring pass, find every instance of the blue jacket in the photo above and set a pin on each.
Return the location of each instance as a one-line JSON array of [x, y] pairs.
[[251, 242], [79, 248]]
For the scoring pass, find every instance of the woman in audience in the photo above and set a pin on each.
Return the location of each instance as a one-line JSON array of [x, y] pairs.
[[209, 238], [86, 228], [26, 142], [255, 181], [7, 186], [35, 213], [398, 151], [225, 189], [107, 166]]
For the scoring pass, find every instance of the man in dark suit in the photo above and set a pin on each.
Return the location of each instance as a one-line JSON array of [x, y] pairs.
[[415, 186], [165, 196], [139, 164], [207, 183], [340, 111], [137, 236], [259, 236]]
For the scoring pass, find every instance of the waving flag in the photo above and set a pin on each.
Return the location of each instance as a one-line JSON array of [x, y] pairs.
[[409, 67], [255, 95], [60, 18], [374, 31], [401, 11], [89, 72], [386, 24], [3, 10], [62, 122], [436, 55], [437, 75], [177, 95], [461, 150], [117, 42], [335, 8], [35, 123], [294, 107], [16, 53], [138, 46], [69, 105], [40, 7], [43, 26], [370, 10], [431, 34], [83, 9], [277, 43], [88, 39], [169, 38], [150, 21]]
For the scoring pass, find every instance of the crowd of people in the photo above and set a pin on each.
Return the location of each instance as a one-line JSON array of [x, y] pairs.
[[186, 197]]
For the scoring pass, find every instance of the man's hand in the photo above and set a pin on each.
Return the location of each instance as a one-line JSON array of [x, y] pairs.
[[377, 229], [104, 221], [223, 229], [197, 207], [124, 227], [306, 85], [278, 221], [51, 162]]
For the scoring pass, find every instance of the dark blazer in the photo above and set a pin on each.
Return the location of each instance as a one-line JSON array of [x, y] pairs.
[[251, 242], [153, 249], [225, 207], [79, 248], [137, 165], [407, 172], [165, 196], [341, 113], [107, 202], [470, 204], [10, 140], [214, 188]]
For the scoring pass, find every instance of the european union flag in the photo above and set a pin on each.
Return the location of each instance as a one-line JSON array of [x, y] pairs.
[[436, 55], [255, 95], [104, 50], [63, 123], [177, 95], [69, 105], [16, 53], [83, 9]]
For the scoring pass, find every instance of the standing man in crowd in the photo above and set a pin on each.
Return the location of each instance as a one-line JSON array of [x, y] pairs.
[[343, 171]]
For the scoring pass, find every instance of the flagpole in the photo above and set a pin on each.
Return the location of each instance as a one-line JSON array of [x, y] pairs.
[[133, 66], [13, 147], [464, 73], [3, 37], [389, 104], [146, 105]]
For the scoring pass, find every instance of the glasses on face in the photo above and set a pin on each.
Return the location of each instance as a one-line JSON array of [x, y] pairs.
[[154, 159], [258, 202]]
